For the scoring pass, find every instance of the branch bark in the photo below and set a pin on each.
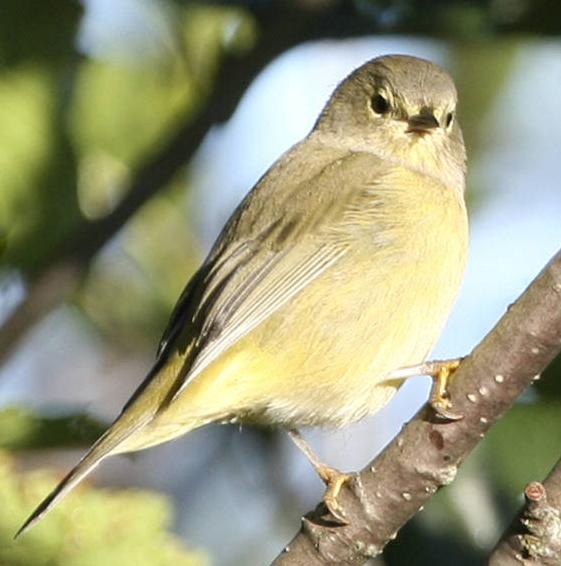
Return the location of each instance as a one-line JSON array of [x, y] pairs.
[[427, 453], [534, 537]]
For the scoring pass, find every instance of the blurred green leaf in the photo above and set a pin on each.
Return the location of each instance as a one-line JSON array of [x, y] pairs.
[[208, 31], [26, 103], [91, 528], [21, 429], [38, 204], [524, 445], [124, 110]]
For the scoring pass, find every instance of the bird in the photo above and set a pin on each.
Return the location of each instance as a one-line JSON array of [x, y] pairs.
[[329, 284]]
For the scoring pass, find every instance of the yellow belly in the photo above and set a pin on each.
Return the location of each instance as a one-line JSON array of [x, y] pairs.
[[323, 358]]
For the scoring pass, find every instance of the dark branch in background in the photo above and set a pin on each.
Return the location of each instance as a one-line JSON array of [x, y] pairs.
[[280, 27], [535, 534], [426, 454]]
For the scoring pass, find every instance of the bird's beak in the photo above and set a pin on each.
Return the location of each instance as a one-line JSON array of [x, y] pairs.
[[422, 123]]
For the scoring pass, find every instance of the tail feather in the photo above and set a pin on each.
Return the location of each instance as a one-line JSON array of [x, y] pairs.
[[133, 417], [103, 447], [120, 437], [83, 468]]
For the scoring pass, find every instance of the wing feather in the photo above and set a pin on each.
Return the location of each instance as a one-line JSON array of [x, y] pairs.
[[249, 276], [282, 282]]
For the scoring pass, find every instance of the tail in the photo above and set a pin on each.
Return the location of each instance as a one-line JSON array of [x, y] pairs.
[[100, 450], [139, 411]]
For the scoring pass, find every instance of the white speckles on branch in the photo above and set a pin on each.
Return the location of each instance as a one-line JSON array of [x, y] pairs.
[[372, 550], [472, 397], [499, 378], [483, 420], [368, 550], [445, 476], [407, 496], [535, 350]]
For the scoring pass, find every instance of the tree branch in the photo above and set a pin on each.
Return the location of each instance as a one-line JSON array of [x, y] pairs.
[[426, 454], [535, 533]]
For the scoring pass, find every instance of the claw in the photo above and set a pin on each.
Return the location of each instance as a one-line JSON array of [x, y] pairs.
[[439, 399], [442, 408], [334, 480]]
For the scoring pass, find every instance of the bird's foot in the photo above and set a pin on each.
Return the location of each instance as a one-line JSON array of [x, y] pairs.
[[334, 480], [439, 397]]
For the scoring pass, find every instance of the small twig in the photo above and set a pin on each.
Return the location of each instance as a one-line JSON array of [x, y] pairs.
[[426, 454], [534, 537]]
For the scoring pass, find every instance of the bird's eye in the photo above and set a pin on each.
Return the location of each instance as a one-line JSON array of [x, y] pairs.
[[380, 105], [449, 118]]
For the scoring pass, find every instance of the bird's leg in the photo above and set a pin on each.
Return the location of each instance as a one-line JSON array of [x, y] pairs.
[[441, 371], [333, 478]]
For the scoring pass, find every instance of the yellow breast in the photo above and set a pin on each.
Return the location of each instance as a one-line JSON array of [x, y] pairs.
[[322, 359]]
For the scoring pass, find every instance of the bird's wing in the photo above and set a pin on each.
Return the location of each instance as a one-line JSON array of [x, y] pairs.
[[247, 277]]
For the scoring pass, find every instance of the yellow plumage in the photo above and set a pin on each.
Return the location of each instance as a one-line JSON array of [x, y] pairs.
[[339, 267], [378, 310]]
